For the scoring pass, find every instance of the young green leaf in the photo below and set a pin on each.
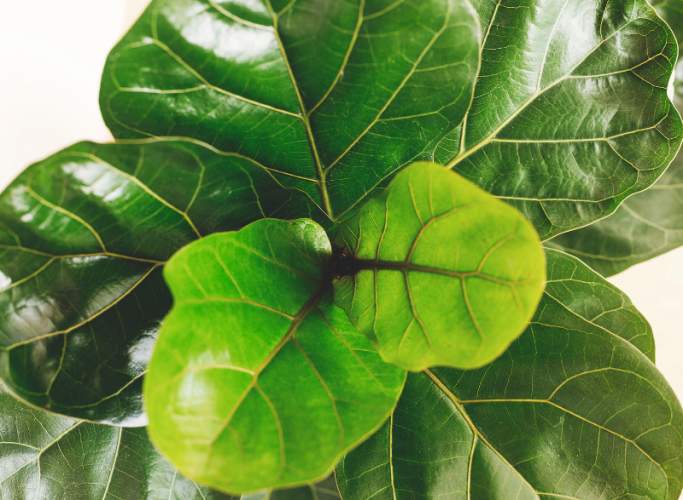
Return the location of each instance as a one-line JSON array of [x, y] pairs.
[[647, 224], [559, 107], [441, 272], [257, 380], [83, 235], [571, 410]]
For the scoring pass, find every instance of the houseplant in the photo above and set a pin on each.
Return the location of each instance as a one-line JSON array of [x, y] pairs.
[[231, 114]]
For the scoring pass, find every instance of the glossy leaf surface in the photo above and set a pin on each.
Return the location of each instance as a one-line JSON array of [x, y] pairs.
[[649, 223], [672, 12], [257, 380], [572, 410], [83, 236], [442, 272], [47, 456], [559, 107], [324, 490]]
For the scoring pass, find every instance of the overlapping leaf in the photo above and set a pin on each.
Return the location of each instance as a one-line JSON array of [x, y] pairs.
[[649, 223], [440, 272], [559, 107], [573, 410], [257, 380], [83, 236], [46, 456], [336, 95], [672, 12]]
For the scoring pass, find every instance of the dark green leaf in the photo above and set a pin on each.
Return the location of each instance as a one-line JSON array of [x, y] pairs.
[[47, 456], [672, 12], [649, 223], [572, 410], [257, 380], [82, 237], [324, 490], [645, 226], [559, 107], [443, 272]]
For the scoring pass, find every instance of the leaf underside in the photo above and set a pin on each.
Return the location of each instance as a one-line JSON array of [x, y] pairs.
[[447, 274], [571, 410]]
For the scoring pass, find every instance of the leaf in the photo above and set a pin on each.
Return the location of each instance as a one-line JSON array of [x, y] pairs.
[[257, 380], [47, 456], [647, 224], [324, 490], [83, 236], [571, 410], [672, 12], [442, 272], [558, 107]]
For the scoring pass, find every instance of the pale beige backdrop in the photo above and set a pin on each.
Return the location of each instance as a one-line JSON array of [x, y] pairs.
[[52, 55]]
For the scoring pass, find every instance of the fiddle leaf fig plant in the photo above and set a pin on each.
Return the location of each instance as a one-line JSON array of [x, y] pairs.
[[255, 350], [316, 245]]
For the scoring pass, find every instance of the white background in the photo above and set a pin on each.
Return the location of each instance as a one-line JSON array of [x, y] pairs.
[[52, 53]]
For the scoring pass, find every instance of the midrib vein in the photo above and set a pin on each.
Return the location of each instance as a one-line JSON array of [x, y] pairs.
[[475, 430], [305, 117], [459, 405], [407, 267], [286, 338]]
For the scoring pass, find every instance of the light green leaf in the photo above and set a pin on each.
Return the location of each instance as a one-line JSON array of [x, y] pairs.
[[558, 106], [572, 410], [257, 380], [441, 272], [83, 236], [648, 224]]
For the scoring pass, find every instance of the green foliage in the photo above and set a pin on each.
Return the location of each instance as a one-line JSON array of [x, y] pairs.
[[431, 256], [284, 351], [649, 223], [257, 379], [329, 87], [573, 410], [47, 456]]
